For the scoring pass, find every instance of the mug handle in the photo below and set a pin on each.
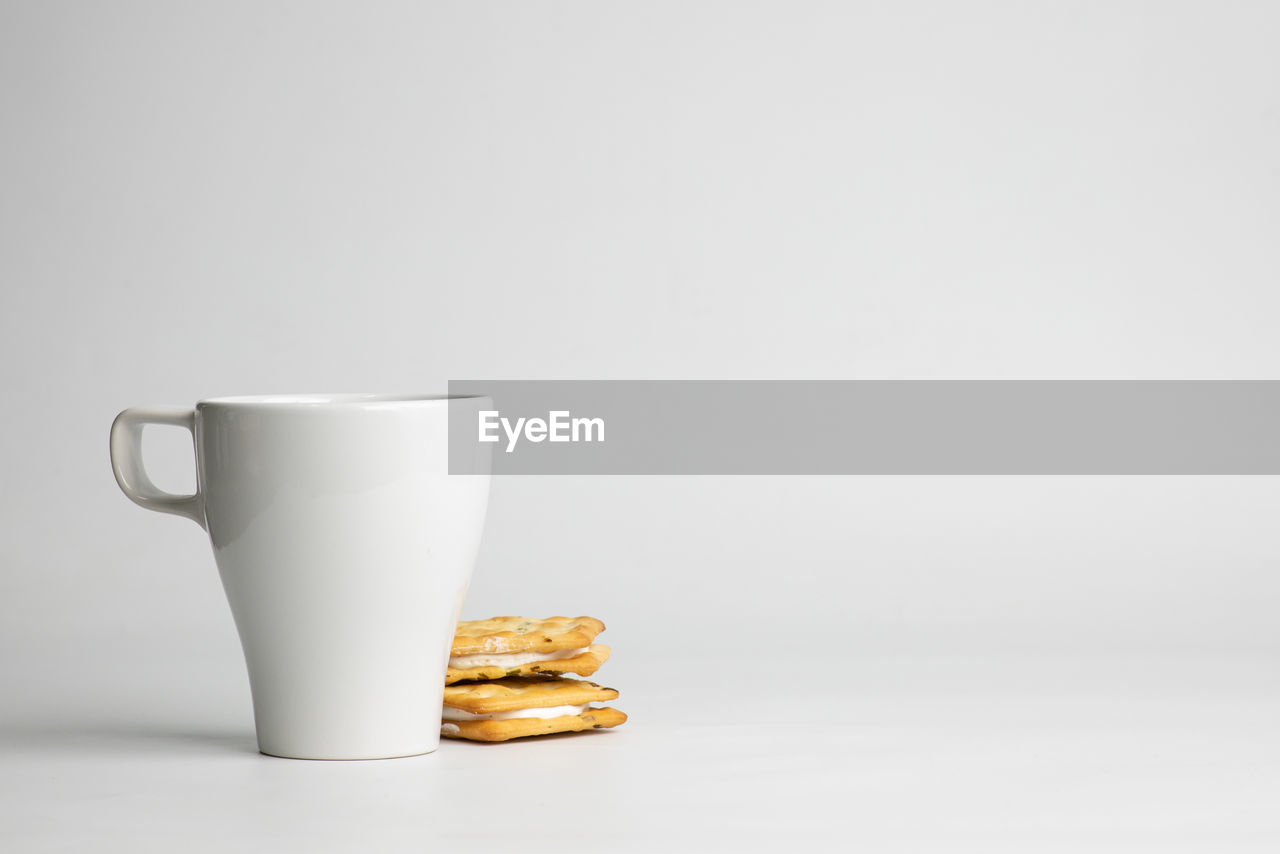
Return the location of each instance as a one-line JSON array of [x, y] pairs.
[[126, 461]]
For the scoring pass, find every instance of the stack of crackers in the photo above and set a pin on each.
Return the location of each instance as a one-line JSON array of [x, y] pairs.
[[505, 679]]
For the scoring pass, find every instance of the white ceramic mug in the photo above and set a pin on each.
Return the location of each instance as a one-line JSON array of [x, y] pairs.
[[345, 548]]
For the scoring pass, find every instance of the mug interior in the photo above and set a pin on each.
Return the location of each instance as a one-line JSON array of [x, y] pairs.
[[316, 400]]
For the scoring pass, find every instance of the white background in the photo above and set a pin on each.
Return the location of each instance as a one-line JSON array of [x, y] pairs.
[[231, 198]]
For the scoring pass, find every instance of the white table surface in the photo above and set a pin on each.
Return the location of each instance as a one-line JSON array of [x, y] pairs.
[[1035, 753]]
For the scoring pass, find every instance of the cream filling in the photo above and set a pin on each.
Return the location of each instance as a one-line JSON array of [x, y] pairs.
[[511, 659], [452, 714]]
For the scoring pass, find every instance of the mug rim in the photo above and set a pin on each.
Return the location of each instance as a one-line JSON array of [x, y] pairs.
[[334, 400]]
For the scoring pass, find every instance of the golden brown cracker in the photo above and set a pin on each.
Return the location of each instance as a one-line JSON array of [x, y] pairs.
[[524, 634], [601, 718], [523, 692], [583, 665]]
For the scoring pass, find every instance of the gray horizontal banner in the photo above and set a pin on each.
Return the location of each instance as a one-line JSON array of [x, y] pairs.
[[868, 427]]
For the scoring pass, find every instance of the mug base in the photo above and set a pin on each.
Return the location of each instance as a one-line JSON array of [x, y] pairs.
[[347, 758]]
